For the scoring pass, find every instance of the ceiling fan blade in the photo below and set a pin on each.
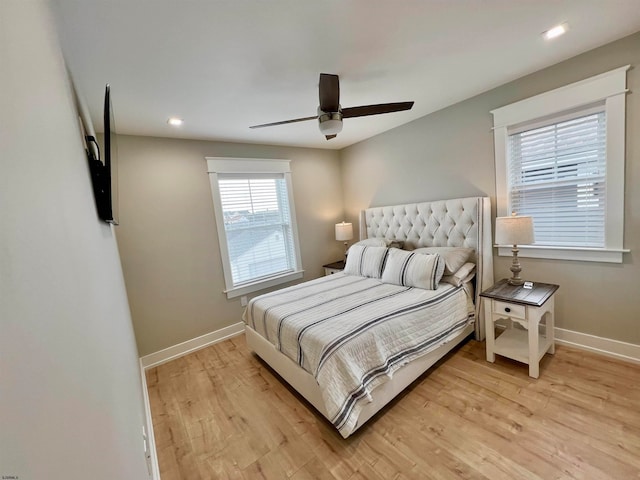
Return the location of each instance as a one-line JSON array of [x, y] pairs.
[[284, 122], [329, 89], [329, 137], [375, 109]]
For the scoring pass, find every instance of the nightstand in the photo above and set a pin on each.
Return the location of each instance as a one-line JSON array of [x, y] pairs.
[[526, 307], [335, 267]]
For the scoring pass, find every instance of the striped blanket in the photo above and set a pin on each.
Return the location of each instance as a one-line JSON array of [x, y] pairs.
[[351, 333]]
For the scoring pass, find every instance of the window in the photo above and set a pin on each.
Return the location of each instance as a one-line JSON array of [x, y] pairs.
[[255, 217], [557, 174], [560, 159]]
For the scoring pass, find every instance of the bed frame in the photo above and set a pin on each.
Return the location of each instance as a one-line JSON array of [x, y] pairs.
[[461, 222]]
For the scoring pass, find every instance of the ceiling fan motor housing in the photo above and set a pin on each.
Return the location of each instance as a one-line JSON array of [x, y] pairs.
[[330, 122]]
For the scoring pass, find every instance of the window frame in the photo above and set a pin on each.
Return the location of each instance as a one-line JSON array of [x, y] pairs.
[[229, 165], [608, 87]]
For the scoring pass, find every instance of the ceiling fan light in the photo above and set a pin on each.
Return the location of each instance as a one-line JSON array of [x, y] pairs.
[[330, 123], [331, 127]]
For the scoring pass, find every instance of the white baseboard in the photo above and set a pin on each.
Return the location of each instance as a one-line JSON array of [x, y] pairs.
[[151, 439], [628, 352], [604, 346], [181, 349]]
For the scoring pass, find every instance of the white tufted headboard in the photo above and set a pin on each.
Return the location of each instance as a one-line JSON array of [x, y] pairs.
[[459, 222]]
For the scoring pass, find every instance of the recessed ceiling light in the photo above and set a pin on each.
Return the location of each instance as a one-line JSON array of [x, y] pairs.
[[555, 31], [175, 121]]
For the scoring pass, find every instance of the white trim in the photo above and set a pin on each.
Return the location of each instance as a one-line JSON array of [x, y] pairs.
[[247, 165], [552, 119], [262, 284], [184, 348], [628, 352], [584, 92], [222, 241], [616, 135], [605, 255], [151, 439], [500, 142]]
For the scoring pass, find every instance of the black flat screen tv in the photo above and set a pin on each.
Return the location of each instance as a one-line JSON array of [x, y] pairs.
[[100, 168]]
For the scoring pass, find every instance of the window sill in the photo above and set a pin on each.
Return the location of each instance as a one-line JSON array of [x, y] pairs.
[[262, 284], [607, 255]]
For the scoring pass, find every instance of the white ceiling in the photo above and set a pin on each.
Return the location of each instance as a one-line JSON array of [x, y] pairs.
[[223, 65]]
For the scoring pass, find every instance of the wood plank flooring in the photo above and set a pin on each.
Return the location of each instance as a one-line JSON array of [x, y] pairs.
[[222, 413]]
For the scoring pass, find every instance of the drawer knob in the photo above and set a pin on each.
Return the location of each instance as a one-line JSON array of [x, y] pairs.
[[507, 309]]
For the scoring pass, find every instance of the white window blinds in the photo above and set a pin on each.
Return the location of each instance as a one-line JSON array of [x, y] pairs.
[[557, 174], [257, 223]]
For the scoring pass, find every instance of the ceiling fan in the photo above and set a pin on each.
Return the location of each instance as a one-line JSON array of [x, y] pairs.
[[330, 113]]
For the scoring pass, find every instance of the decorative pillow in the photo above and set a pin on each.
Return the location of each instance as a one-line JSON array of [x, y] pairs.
[[454, 257], [380, 242], [463, 275], [412, 269], [366, 261], [371, 242], [395, 244]]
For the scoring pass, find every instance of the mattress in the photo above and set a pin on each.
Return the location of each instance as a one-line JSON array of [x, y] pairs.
[[352, 333]]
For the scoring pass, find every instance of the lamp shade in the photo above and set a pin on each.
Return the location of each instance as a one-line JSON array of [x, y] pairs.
[[514, 230], [344, 231]]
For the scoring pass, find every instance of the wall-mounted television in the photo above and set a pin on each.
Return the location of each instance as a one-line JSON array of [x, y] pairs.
[[100, 168]]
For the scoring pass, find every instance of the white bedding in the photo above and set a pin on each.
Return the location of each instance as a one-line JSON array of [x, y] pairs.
[[351, 333]]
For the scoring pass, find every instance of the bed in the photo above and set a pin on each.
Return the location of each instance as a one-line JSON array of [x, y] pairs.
[[350, 342]]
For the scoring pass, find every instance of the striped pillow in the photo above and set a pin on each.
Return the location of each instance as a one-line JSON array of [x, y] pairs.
[[411, 269], [371, 242], [366, 261]]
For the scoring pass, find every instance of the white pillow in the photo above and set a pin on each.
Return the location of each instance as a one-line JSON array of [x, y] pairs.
[[371, 242], [411, 269], [454, 257], [380, 242], [463, 275], [365, 261]]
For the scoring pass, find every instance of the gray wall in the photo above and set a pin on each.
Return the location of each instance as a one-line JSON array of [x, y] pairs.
[[449, 154], [70, 390], [167, 234]]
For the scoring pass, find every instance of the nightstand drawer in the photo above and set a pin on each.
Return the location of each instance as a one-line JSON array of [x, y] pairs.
[[511, 309], [331, 271]]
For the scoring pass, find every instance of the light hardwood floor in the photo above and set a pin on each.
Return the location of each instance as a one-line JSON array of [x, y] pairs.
[[221, 413]]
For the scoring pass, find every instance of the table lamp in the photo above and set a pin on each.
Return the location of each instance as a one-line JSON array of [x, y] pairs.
[[344, 232], [514, 230]]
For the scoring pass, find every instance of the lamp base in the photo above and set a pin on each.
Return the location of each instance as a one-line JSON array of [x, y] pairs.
[[515, 269]]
